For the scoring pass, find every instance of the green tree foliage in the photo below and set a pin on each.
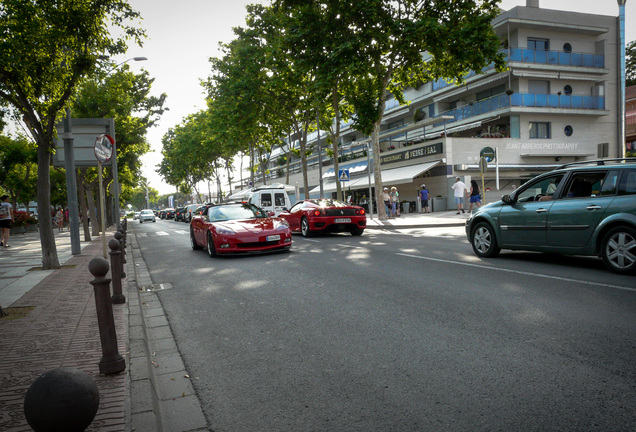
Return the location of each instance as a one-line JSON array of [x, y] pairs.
[[48, 48], [18, 168], [125, 97]]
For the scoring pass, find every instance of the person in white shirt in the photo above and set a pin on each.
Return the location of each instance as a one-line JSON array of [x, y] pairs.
[[460, 191], [6, 219]]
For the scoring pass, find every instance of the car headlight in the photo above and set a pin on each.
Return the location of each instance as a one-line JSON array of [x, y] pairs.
[[224, 231], [282, 226]]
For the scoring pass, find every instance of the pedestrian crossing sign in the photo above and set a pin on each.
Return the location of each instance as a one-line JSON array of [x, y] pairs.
[[343, 175]]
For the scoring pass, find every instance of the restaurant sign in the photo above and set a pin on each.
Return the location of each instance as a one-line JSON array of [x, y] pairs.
[[428, 150]]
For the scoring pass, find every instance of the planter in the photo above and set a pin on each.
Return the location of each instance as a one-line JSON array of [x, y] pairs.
[[24, 229]]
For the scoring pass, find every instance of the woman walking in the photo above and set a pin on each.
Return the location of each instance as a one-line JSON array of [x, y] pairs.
[[59, 219], [6, 219], [475, 198]]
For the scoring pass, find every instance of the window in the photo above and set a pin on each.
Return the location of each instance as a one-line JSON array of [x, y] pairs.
[[610, 183], [585, 184], [628, 183], [567, 47], [538, 86], [538, 44], [279, 199], [568, 130], [539, 130], [545, 187], [266, 200], [567, 90]]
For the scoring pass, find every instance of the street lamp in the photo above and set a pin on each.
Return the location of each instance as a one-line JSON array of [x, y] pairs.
[[115, 168]]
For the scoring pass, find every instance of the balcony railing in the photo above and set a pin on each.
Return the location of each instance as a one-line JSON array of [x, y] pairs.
[[525, 100]]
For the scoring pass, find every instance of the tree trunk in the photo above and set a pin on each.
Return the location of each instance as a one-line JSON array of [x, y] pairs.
[[90, 194], [47, 238], [335, 102], [377, 173], [81, 191]]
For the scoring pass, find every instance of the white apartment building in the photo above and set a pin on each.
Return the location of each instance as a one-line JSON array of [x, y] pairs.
[[557, 103]]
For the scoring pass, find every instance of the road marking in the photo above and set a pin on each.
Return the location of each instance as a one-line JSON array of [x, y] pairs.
[[162, 233], [315, 241], [519, 272], [182, 232]]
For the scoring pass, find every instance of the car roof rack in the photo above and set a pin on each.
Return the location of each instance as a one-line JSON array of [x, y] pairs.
[[600, 162]]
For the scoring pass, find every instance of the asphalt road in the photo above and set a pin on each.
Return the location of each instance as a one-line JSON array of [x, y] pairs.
[[399, 331]]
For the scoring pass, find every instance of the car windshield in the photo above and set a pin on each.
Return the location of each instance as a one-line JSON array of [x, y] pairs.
[[146, 212], [328, 203], [235, 212]]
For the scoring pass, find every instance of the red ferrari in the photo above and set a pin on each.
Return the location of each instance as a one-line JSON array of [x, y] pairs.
[[325, 215], [238, 228]]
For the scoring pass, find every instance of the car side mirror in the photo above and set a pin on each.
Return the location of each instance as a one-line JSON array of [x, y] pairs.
[[271, 214], [507, 199]]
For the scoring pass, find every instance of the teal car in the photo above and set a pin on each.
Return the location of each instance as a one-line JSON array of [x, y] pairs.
[[582, 208]]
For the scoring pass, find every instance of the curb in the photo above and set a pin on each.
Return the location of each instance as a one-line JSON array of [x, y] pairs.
[[161, 392], [391, 226]]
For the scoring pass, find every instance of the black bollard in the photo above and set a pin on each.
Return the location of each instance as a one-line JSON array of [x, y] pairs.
[[62, 399], [111, 362], [115, 265], [119, 237]]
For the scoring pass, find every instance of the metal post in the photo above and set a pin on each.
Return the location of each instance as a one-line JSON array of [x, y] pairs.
[[115, 174], [369, 175], [112, 362], [115, 265], [322, 192], [71, 185], [621, 99], [102, 205], [120, 238]]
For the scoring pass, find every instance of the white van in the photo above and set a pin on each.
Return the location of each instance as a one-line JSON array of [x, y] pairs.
[[269, 198]]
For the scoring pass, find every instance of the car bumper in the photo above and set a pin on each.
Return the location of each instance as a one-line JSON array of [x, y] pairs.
[[330, 224], [230, 245]]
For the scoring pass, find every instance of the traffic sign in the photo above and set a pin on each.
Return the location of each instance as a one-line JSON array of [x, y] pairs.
[[104, 148], [488, 153], [483, 165], [343, 175]]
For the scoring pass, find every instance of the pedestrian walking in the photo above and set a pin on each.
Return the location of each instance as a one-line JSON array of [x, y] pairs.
[[395, 202], [387, 201], [475, 198], [460, 191], [6, 219], [59, 219], [424, 197]]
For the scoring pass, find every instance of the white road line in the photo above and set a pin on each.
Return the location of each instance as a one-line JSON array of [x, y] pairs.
[[520, 272], [181, 232], [315, 241], [161, 233], [141, 234]]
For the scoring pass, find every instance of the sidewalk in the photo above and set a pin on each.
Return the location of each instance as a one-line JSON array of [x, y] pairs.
[[60, 329]]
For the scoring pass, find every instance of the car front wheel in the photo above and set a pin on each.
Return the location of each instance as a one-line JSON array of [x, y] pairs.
[[304, 227], [619, 250], [483, 241], [193, 241], [211, 248]]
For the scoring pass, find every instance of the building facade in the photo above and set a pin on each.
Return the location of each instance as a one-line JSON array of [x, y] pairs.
[[557, 103]]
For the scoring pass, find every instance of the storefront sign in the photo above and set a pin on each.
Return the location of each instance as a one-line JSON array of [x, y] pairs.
[[428, 150]]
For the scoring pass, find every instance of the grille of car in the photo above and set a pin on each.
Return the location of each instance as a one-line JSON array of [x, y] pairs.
[[258, 244], [340, 212]]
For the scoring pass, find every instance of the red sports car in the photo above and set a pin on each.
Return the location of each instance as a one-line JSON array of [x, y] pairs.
[[325, 215], [238, 228]]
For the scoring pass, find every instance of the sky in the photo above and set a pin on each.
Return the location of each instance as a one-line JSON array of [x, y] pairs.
[[183, 35]]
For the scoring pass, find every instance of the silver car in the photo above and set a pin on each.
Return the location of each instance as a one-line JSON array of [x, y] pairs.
[[147, 215]]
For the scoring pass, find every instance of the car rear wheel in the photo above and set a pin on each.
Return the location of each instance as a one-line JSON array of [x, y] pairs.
[[619, 250], [304, 227], [356, 231], [193, 241], [483, 241], [210, 246]]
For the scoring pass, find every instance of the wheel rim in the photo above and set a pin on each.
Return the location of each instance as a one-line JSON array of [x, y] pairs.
[[621, 250], [482, 239], [210, 246], [304, 226], [192, 243]]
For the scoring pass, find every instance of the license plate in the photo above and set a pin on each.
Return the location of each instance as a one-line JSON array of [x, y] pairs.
[[342, 220], [273, 237]]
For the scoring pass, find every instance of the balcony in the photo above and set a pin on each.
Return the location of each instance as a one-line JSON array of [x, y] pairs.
[[557, 58], [525, 100]]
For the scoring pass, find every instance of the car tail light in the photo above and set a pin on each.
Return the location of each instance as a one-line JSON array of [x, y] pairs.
[[360, 211]]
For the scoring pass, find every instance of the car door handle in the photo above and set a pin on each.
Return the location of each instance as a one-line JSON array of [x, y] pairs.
[[593, 207], [541, 210]]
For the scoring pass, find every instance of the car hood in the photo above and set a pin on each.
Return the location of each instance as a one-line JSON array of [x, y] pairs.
[[248, 225]]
